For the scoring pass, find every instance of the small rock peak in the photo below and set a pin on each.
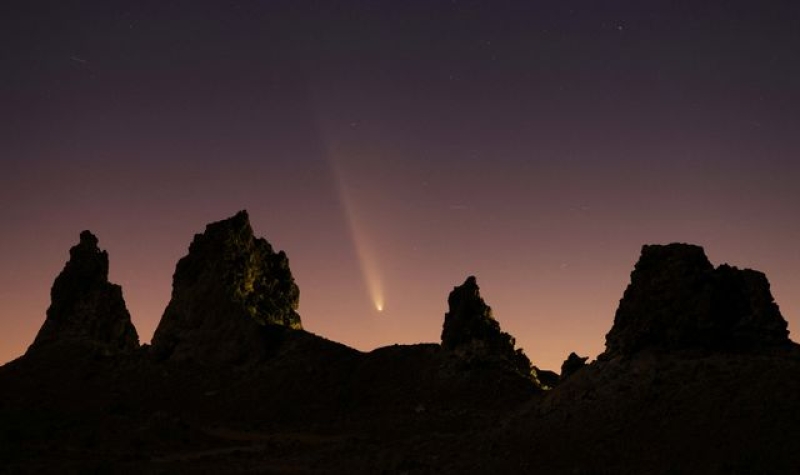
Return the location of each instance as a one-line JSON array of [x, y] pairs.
[[468, 318], [468, 292], [470, 329], [238, 222], [466, 302], [87, 261], [225, 289], [571, 365], [85, 307], [676, 258], [471, 283], [677, 300], [88, 240]]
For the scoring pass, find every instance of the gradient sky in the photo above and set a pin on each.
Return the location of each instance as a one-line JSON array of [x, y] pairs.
[[394, 148]]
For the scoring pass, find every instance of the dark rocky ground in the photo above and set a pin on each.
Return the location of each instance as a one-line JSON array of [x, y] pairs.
[[317, 407], [665, 398]]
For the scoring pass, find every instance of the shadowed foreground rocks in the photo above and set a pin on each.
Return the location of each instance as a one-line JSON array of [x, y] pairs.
[[666, 401], [86, 309], [225, 293]]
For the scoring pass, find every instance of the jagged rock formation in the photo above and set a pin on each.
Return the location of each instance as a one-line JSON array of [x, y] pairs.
[[677, 300], [470, 329], [85, 307], [572, 364], [456, 408], [225, 292]]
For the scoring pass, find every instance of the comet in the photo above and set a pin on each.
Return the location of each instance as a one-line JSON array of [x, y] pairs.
[[365, 251]]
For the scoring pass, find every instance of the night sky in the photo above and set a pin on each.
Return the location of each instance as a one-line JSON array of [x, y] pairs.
[[394, 148]]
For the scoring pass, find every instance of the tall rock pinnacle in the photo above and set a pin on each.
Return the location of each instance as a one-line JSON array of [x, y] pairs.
[[677, 300], [470, 328], [85, 307], [224, 292]]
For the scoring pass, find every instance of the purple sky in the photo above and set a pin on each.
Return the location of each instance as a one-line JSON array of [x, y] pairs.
[[394, 148]]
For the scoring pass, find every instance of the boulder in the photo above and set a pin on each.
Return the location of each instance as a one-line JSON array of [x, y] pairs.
[[677, 300], [228, 295], [86, 309]]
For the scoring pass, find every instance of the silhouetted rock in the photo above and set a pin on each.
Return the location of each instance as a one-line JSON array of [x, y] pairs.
[[457, 408], [547, 379], [572, 364], [677, 300], [85, 307], [470, 329], [225, 292]]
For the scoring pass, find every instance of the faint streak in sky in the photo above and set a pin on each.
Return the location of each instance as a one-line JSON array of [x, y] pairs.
[[365, 250]]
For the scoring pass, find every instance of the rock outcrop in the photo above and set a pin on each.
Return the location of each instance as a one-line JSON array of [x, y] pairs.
[[545, 378], [678, 300], [471, 330], [86, 309], [571, 365], [226, 293]]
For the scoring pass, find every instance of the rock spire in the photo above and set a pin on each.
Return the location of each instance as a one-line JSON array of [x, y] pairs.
[[85, 307], [470, 329], [228, 288]]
